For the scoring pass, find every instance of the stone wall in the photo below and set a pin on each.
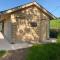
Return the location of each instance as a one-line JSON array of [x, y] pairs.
[[22, 29]]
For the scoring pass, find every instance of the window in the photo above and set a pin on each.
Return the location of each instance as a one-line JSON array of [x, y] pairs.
[[33, 24], [1, 26]]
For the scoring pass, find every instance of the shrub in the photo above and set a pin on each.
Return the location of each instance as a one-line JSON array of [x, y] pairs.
[[53, 33], [58, 38], [2, 53]]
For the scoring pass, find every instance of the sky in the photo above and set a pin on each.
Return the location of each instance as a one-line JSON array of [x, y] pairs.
[[52, 6]]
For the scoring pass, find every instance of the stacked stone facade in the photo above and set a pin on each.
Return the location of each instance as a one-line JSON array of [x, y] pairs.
[[29, 24], [22, 29]]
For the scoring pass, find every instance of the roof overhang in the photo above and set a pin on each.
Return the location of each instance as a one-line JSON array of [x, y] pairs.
[[27, 5]]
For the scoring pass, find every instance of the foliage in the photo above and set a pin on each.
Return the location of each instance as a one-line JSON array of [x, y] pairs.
[[2, 53], [44, 52], [55, 24], [53, 33], [58, 38]]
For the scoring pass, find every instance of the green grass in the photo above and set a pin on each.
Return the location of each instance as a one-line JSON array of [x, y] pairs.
[[55, 24], [44, 52], [2, 53]]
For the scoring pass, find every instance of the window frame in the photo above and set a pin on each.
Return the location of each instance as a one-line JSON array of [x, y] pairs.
[[2, 30], [33, 24]]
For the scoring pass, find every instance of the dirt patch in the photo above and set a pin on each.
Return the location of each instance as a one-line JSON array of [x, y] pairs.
[[16, 54]]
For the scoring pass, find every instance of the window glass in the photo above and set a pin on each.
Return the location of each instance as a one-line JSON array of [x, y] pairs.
[[33, 24], [0, 26]]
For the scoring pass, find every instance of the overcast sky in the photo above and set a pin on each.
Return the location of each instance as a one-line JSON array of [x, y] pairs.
[[51, 5]]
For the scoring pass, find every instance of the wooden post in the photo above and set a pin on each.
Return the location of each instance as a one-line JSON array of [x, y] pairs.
[[13, 22]]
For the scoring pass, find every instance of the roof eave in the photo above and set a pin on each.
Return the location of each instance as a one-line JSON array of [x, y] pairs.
[[51, 15], [26, 5]]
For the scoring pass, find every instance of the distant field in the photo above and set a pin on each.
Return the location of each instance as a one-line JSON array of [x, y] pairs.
[[55, 24]]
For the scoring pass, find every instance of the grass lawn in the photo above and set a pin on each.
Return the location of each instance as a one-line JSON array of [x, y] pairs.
[[2, 53], [44, 52]]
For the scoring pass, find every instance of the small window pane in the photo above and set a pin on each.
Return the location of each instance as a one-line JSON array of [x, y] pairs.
[[33, 24], [0, 27]]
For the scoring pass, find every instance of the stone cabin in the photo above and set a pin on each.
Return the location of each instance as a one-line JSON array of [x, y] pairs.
[[26, 23]]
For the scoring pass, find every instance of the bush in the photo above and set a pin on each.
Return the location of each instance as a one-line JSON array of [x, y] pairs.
[[53, 33], [44, 52], [58, 38], [2, 53]]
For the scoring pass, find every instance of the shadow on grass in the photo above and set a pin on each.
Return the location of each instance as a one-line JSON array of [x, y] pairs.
[[44, 52]]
